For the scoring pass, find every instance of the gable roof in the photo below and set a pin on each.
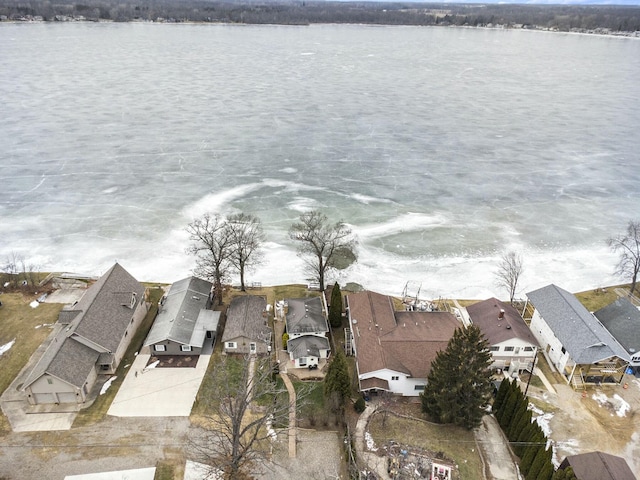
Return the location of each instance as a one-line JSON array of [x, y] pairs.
[[99, 317], [107, 307], [405, 342], [184, 317], [245, 319], [486, 316], [305, 315], [307, 345], [598, 466], [580, 333], [622, 319]]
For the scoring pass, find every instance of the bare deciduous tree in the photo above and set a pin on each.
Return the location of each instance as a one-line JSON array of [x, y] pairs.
[[246, 239], [627, 246], [211, 245], [509, 272], [321, 243], [234, 438]]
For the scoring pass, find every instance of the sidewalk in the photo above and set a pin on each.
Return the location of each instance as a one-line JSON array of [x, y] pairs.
[[372, 462], [547, 384]]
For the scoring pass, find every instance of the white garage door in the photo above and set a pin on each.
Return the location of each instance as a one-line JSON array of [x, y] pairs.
[[44, 398], [67, 397]]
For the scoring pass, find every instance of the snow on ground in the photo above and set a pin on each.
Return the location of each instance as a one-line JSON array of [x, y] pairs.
[[542, 418], [106, 385], [371, 446], [7, 346], [34, 304], [615, 403], [152, 365], [44, 325]]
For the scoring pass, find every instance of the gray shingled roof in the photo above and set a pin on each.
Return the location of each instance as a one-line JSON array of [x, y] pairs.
[[581, 334], [98, 316], [106, 308], [245, 319], [179, 316], [622, 319], [305, 315], [307, 345]]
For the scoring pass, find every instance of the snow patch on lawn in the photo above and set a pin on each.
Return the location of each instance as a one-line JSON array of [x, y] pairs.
[[44, 325], [542, 418], [615, 403], [371, 445], [34, 304], [6, 346], [106, 385]]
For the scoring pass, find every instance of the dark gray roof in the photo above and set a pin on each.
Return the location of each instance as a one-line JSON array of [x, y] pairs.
[[581, 334], [73, 362], [622, 319], [598, 466], [107, 308], [100, 317], [180, 315], [307, 345], [245, 318], [305, 315]]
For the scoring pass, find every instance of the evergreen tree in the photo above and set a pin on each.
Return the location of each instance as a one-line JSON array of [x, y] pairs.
[[516, 425], [524, 437], [542, 458], [509, 409], [337, 382], [565, 474], [546, 473], [459, 383], [536, 443], [335, 310], [519, 428], [500, 396]]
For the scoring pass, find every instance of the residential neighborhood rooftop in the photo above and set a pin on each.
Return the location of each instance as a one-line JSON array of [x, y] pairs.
[[305, 315], [622, 319], [500, 321], [582, 334]]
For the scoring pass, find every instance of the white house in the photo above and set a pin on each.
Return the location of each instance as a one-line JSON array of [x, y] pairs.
[[394, 350], [513, 346], [307, 327], [577, 344]]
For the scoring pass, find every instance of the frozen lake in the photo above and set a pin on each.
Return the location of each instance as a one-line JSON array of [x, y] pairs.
[[441, 147]]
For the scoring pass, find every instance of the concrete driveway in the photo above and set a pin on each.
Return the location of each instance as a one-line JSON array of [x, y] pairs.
[[158, 392]]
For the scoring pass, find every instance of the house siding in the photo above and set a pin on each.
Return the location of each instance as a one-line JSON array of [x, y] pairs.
[[515, 360], [549, 343], [58, 391], [173, 348], [404, 385], [243, 346]]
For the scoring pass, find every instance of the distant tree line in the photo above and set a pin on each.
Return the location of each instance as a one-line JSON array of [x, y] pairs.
[[552, 17]]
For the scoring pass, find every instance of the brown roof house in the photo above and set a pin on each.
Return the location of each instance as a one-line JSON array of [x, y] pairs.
[[394, 350], [247, 329], [513, 346], [95, 334], [307, 327], [185, 323], [598, 466]]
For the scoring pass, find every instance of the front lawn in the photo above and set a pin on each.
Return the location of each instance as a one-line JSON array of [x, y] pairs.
[[29, 327]]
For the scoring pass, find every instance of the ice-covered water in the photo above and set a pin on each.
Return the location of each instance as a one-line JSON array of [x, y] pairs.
[[441, 147]]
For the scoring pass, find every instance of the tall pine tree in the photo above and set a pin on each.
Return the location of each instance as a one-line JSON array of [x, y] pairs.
[[459, 383], [335, 308], [337, 382]]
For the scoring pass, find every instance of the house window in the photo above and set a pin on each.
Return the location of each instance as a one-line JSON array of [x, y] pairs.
[[232, 345], [494, 349], [528, 349], [564, 350], [133, 300], [160, 348], [185, 348], [395, 377], [252, 347], [50, 381], [104, 366], [508, 349], [302, 362], [419, 387]]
